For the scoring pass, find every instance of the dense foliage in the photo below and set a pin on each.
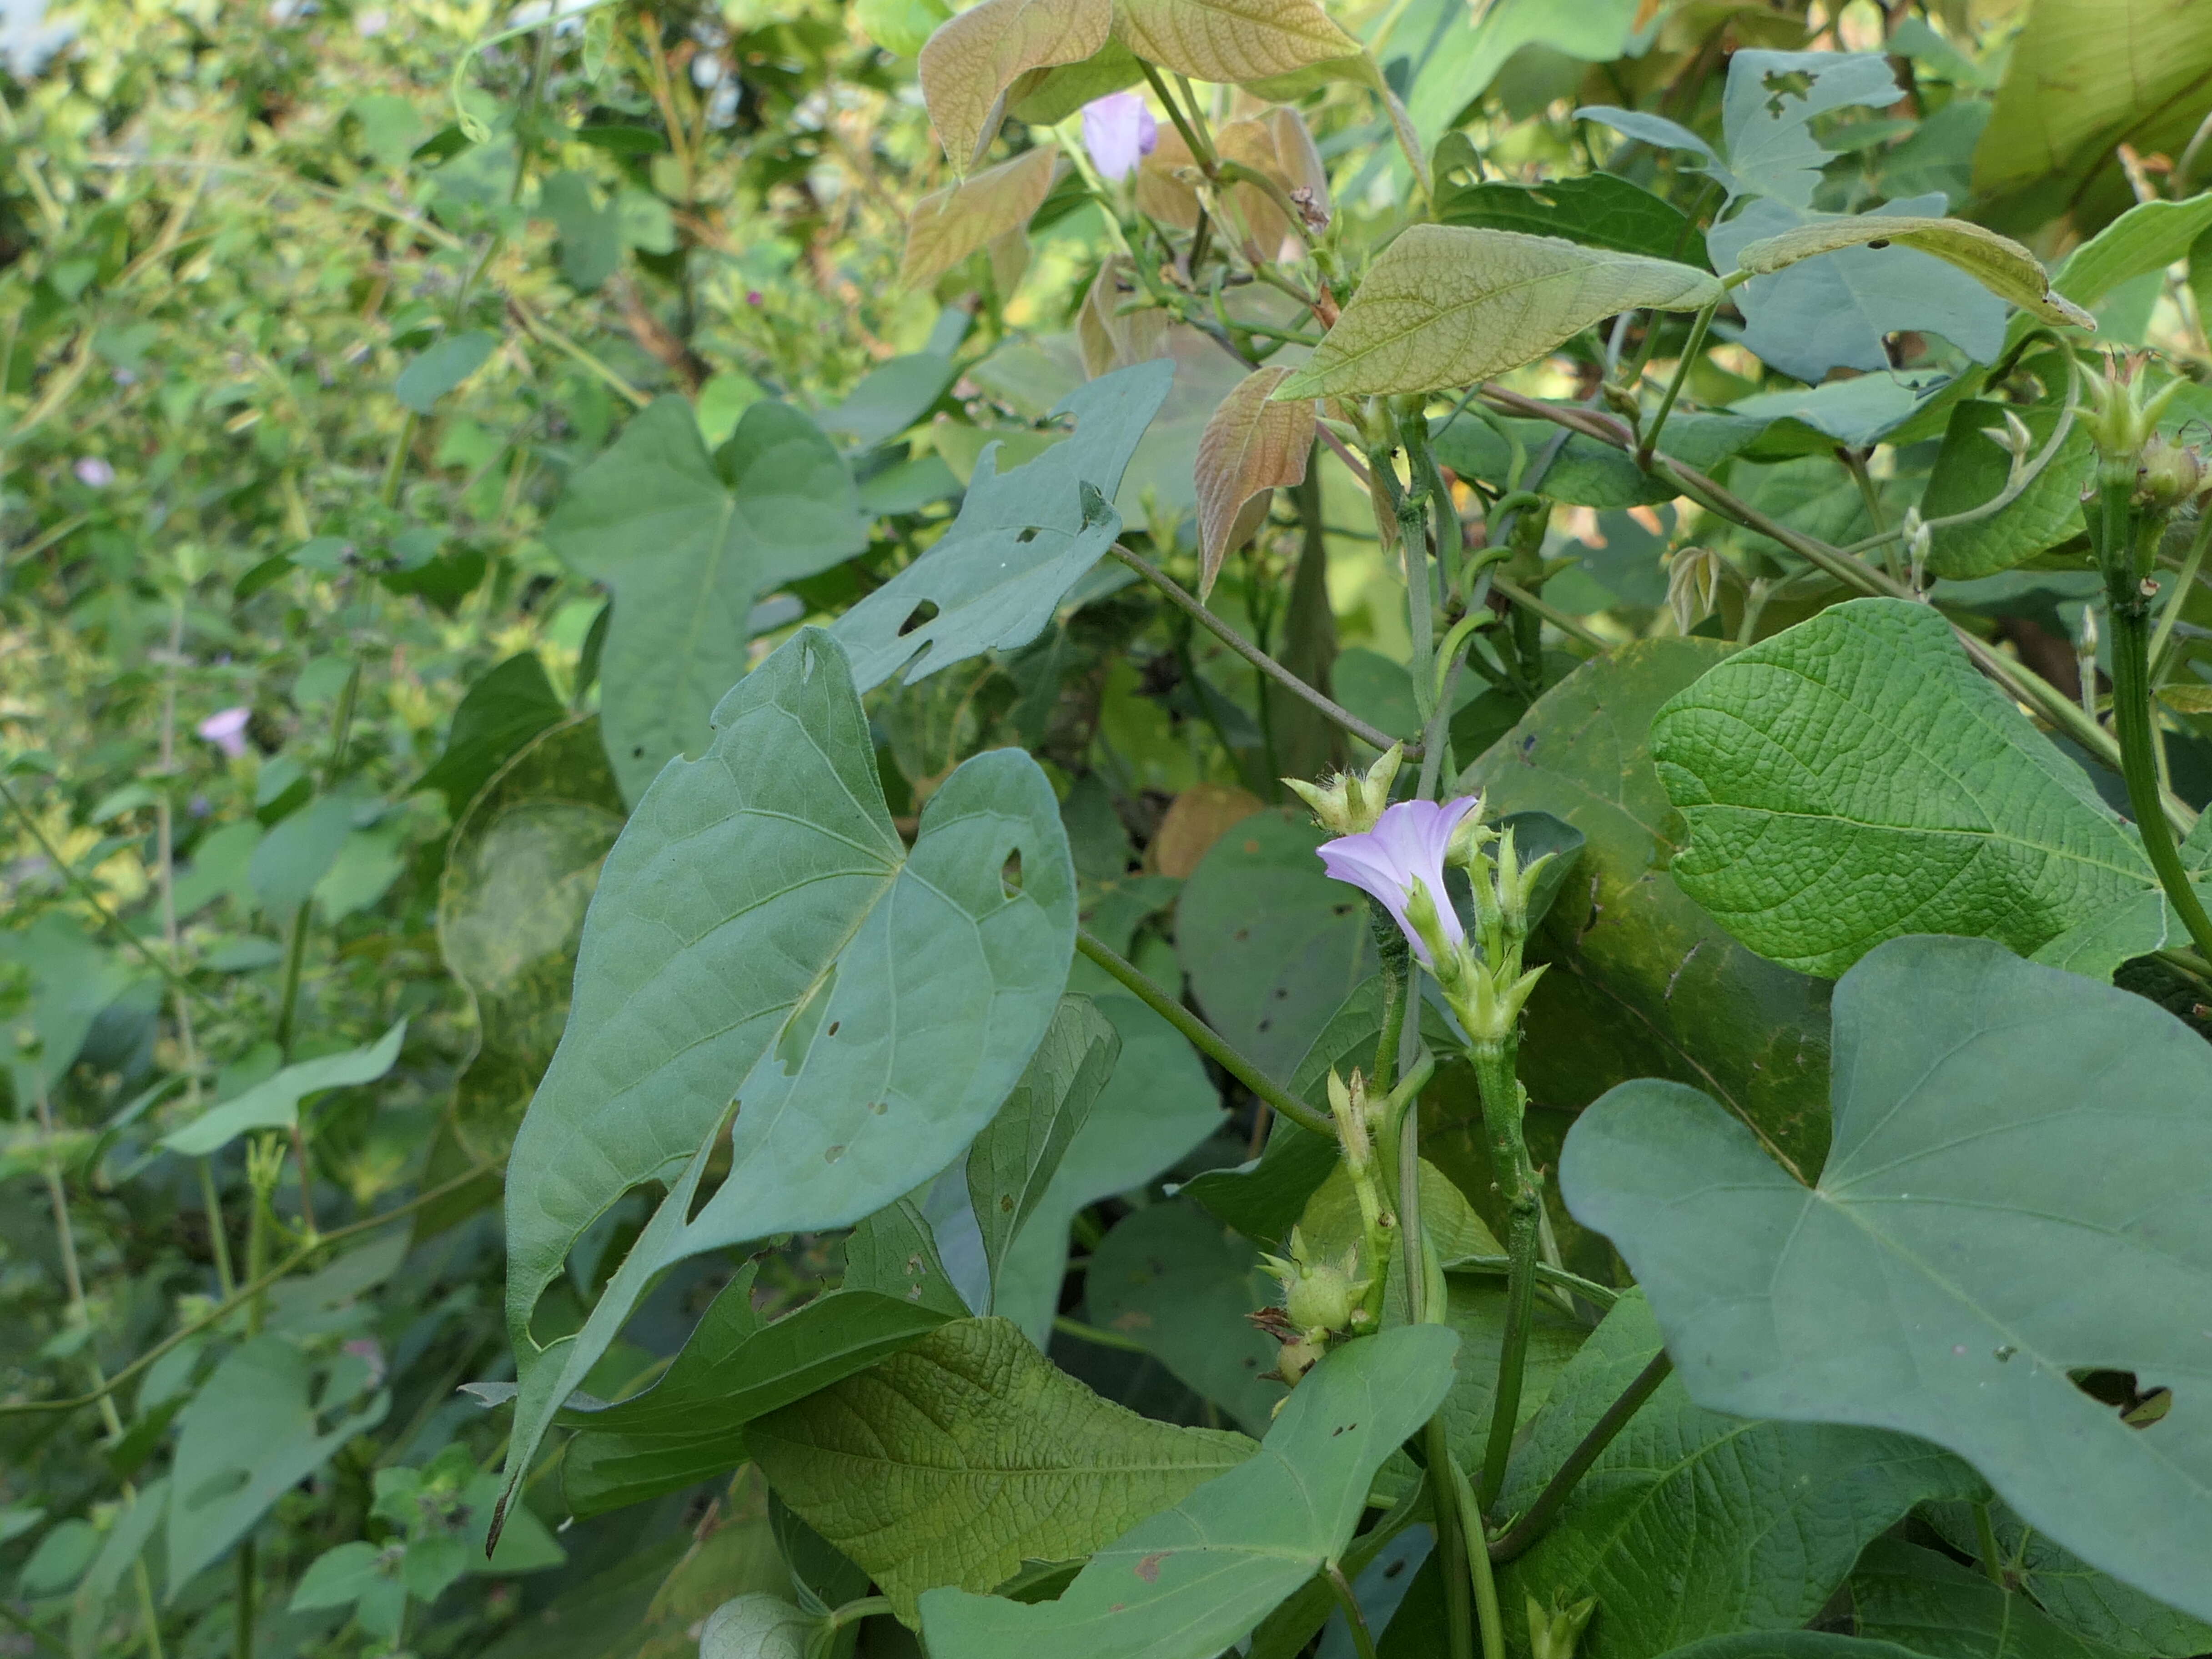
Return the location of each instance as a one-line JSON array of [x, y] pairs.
[[1134, 826]]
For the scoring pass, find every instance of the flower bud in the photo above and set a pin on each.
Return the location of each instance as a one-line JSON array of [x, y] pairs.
[[1469, 839], [1351, 802], [1693, 583], [1318, 1296], [1443, 951], [1552, 1635], [2170, 473]]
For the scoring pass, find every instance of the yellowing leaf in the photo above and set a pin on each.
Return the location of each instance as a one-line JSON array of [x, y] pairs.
[[969, 63], [1109, 338], [1249, 447], [1234, 40], [1447, 304], [1998, 263], [1278, 145], [1162, 195], [948, 225]]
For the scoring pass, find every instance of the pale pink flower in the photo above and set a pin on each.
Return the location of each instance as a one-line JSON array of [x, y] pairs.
[[1119, 131], [1407, 844], [226, 730], [93, 470]]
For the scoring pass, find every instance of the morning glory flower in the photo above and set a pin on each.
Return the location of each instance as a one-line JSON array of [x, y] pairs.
[[226, 730], [1406, 845], [1119, 131], [93, 470]]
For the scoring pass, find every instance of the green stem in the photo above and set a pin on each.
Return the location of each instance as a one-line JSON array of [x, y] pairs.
[[2119, 533], [1243, 647], [1503, 1103], [1201, 151], [1484, 1577], [1393, 956], [1572, 627], [1697, 344], [1363, 1640], [1457, 1532], [1598, 1295], [1985, 1541], [1205, 1038], [2182, 583], [1531, 1525], [242, 1638], [1097, 1336]]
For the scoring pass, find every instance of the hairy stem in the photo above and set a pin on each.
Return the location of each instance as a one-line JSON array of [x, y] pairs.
[[1503, 1104], [1203, 1037]]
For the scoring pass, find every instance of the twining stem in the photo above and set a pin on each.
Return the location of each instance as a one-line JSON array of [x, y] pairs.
[[1573, 626], [1393, 956], [1697, 344], [1363, 1640], [1505, 1103], [2183, 585], [2123, 538], [1525, 1531], [1205, 1038], [1485, 1580], [1260, 659]]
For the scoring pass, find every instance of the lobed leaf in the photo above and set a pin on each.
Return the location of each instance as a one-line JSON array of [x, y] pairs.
[[955, 1461], [1444, 305], [2017, 1190]]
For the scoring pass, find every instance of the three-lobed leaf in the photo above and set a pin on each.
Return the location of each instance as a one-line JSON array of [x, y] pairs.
[[1445, 304], [2017, 1190], [953, 1463], [764, 951]]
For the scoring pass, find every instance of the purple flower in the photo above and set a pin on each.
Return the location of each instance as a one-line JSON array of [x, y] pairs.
[[1407, 844], [1119, 131], [91, 469], [226, 730]]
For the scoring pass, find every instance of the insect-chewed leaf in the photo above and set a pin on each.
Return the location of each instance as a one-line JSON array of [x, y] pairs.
[[2017, 1190], [1998, 263], [948, 225], [1233, 40], [1445, 305], [956, 1461], [968, 63], [1249, 446], [764, 949], [1191, 1580]]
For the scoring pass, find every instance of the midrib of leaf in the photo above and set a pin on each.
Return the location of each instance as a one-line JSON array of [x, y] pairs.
[[1437, 317]]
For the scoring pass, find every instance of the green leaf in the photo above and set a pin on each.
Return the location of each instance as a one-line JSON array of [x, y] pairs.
[[1272, 945], [889, 399], [2150, 236], [1998, 263], [2081, 77], [1444, 305], [764, 948], [519, 871], [1188, 1583], [1642, 982], [1233, 41], [953, 1463], [1583, 472], [690, 543], [1023, 540], [1768, 108], [1691, 1525], [72, 981], [735, 1367], [1857, 411], [1904, 1593], [1470, 48], [894, 1252], [591, 247], [437, 371], [1159, 1104], [1600, 210], [275, 1103], [2087, 1601], [756, 1626], [295, 856], [265, 1421], [1171, 1279], [1792, 1645], [129, 1535], [1835, 310], [1853, 778], [2004, 1136], [1013, 1160], [510, 705], [340, 1577], [1970, 470], [901, 27]]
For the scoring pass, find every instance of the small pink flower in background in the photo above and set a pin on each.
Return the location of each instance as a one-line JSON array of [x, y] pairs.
[[91, 469], [1407, 843], [370, 1352], [1119, 131], [226, 730]]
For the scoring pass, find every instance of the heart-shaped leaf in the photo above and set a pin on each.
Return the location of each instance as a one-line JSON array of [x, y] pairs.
[[2017, 1191], [690, 543], [764, 949], [1188, 1583], [1445, 305], [1853, 778]]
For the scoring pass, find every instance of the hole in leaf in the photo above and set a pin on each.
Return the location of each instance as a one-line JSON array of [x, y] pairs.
[[2138, 1406], [1785, 84], [923, 613], [1878, 243], [1027, 536], [1009, 874]]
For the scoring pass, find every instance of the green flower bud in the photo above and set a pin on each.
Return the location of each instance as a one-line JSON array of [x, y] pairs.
[[2171, 472], [1349, 803], [1552, 1635]]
